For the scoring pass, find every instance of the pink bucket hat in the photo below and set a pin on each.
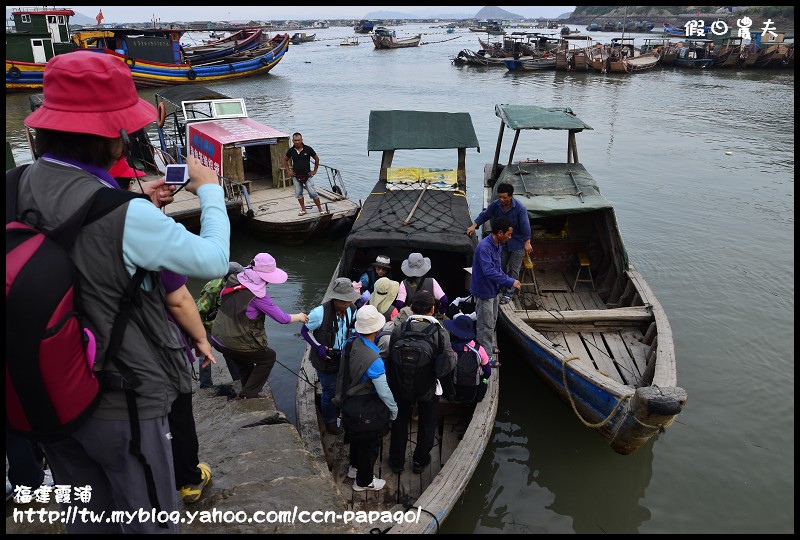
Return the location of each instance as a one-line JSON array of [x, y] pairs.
[[90, 92], [262, 270]]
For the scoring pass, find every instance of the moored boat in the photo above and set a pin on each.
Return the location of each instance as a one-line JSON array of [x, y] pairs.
[[411, 210], [586, 320], [248, 156], [530, 64], [302, 37], [243, 40], [386, 38]]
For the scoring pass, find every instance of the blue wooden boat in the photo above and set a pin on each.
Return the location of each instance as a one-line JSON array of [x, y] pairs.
[[586, 320], [364, 26], [530, 64], [243, 40]]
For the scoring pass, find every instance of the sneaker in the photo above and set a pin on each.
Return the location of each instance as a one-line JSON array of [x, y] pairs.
[[302, 213], [352, 472], [376, 485], [333, 429], [192, 493], [505, 299], [48, 478], [417, 468]]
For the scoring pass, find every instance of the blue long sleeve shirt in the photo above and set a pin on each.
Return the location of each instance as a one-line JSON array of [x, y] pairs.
[[518, 215], [487, 273]]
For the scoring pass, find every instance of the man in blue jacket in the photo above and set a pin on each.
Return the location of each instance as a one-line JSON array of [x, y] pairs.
[[487, 279], [514, 251]]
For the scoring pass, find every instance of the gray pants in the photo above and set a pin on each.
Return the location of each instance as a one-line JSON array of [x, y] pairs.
[[511, 262], [486, 312], [96, 455]]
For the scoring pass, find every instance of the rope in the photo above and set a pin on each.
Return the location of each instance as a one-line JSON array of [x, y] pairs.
[[442, 41], [614, 410]]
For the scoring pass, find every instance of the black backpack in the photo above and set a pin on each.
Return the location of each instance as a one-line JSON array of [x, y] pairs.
[[411, 372], [467, 375]]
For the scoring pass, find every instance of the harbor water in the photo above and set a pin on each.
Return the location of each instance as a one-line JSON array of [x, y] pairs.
[[700, 167]]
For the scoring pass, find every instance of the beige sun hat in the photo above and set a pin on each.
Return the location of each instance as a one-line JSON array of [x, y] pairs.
[[384, 294]]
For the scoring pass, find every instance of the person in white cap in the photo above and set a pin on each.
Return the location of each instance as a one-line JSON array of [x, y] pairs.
[[329, 326], [362, 379], [238, 330], [416, 268], [382, 267]]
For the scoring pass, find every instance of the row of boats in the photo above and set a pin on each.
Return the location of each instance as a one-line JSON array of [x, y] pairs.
[[533, 52], [585, 320]]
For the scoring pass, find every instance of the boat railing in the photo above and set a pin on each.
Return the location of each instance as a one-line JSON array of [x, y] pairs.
[[335, 180]]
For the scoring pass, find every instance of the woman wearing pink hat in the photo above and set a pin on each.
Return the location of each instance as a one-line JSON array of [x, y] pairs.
[[90, 105], [238, 331]]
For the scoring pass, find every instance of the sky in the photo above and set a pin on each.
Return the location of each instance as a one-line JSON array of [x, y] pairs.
[[130, 14]]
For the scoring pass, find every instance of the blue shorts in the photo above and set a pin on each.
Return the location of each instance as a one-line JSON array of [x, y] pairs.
[[309, 185]]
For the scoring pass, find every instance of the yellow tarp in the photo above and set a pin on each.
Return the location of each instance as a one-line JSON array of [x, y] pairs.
[[400, 177]]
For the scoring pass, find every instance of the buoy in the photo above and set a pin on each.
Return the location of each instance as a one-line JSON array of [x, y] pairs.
[[729, 153]]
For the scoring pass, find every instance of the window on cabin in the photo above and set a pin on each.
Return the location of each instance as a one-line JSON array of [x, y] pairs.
[[25, 18], [51, 19]]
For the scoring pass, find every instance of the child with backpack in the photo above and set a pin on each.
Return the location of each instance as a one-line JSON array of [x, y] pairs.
[[472, 366]]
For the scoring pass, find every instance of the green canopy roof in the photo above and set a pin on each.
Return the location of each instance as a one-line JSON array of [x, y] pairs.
[[533, 117], [408, 130]]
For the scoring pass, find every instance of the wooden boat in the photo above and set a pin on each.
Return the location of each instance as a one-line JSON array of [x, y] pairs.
[[405, 213], [467, 57], [302, 37], [30, 44], [243, 40], [155, 60], [530, 64], [622, 57], [694, 53], [587, 321], [349, 41], [248, 156], [385, 38]]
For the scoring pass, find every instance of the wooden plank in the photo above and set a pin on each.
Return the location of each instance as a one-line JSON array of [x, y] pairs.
[[551, 280], [635, 315], [637, 349], [601, 356], [577, 348], [627, 366], [591, 300]]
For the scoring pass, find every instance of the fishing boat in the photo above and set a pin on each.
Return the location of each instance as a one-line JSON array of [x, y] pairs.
[[349, 41], [411, 210], [364, 26], [386, 38], [694, 53], [302, 37], [467, 57], [37, 35], [155, 60], [530, 64], [585, 320], [243, 40], [248, 156], [622, 57]]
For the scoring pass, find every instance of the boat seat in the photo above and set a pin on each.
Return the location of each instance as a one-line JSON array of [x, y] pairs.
[[583, 262]]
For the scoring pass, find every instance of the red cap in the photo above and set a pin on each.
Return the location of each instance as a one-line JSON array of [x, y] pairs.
[[121, 169]]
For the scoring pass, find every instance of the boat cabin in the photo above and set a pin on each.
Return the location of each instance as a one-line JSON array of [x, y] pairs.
[[38, 34], [159, 45]]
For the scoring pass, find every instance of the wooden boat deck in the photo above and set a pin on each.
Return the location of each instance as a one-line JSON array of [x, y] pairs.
[[607, 340]]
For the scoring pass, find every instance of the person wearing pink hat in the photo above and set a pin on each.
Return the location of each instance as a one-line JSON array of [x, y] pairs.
[[90, 101], [238, 330]]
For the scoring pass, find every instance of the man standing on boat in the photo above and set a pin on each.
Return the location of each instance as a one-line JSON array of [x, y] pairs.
[[487, 279], [517, 247], [300, 171]]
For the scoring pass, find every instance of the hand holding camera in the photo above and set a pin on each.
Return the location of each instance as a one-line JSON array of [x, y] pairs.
[[199, 175]]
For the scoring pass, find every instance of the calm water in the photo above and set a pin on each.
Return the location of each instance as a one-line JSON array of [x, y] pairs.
[[712, 233]]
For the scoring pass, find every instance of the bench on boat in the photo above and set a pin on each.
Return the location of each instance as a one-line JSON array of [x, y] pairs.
[[637, 315]]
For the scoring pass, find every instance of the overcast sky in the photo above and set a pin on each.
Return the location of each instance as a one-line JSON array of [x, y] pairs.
[[128, 14]]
